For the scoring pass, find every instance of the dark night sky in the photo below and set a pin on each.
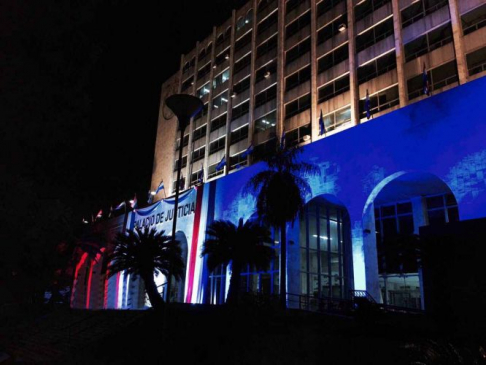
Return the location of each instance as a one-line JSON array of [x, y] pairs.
[[80, 87]]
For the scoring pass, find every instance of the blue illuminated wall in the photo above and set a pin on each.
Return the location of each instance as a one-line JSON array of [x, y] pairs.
[[443, 135]]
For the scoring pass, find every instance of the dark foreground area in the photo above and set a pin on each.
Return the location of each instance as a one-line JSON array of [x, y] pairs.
[[196, 334]]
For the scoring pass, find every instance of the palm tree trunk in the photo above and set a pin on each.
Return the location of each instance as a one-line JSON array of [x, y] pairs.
[[283, 266], [155, 299], [235, 284]]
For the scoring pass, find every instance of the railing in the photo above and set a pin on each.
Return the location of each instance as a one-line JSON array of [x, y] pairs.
[[424, 13], [477, 69], [474, 27], [323, 304]]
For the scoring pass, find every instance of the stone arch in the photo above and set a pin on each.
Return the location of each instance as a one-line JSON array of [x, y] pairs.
[[396, 208]]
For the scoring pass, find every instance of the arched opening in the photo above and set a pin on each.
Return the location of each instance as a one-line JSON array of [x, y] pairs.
[[392, 218], [324, 249]]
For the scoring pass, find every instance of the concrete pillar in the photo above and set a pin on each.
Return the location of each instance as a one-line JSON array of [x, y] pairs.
[[400, 53], [230, 99], [280, 69], [459, 48], [251, 127], [313, 80], [353, 77]]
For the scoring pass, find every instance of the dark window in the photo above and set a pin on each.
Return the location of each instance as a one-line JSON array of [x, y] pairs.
[[188, 83], [240, 110], [202, 112], [243, 41], [332, 29], [297, 106], [474, 20], [212, 172], [337, 119], [189, 64], [206, 51], [377, 67], [204, 71], [367, 7], [438, 78], [223, 56], [326, 5], [420, 9], [266, 122], [263, 5], [297, 78], [184, 163], [374, 35], [428, 42], [218, 122], [242, 63], [185, 142], [296, 136], [199, 133], [238, 161], [292, 4], [333, 58], [267, 23], [267, 46], [334, 88], [264, 149], [268, 69], [297, 25], [242, 86], [379, 102], [239, 135], [217, 145], [198, 154], [476, 61], [265, 96], [297, 51]]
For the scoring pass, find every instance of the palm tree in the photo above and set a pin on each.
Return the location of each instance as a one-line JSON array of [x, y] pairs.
[[147, 253], [281, 192], [241, 245]]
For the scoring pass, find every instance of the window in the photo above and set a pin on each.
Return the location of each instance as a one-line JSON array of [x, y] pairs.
[[265, 71], [199, 133], [326, 5], [264, 149], [266, 122], [189, 64], [184, 163], [185, 142], [297, 51], [476, 61], [377, 67], [474, 20], [243, 41], [333, 58], [242, 63], [247, 19], [203, 90], [297, 78], [442, 209], [205, 51], [182, 184], [381, 101], [220, 100], [266, 96], [238, 161], [218, 123], [324, 232], [297, 106], [374, 35], [428, 42], [438, 78], [212, 172], [221, 79], [223, 36], [242, 86], [337, 119], [297, 25], [204, 71], [367, 7], [332, 29], [217, 145], [267, 46], [188, 83], [198, 154], [239, 134], [240, 110], [202, 112], [420, 9], [263, 5], [292, 4], [267, 23], [299, 135], [334, 88], [223, 56]]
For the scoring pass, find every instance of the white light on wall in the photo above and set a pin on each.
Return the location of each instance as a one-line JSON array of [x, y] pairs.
[[233, 95], [267, 74], [322, 237], [342, 27], [152, 193], [226, 57], [306, 137], [224, 100]]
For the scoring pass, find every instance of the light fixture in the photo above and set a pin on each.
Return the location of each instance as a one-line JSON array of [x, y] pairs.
[[267, 74], [192, 82], [132, 201], [214, 66], [215, 106], [226, 56], [306, 138], [233, 95], [342, 27], [152, 193], [224, 100]]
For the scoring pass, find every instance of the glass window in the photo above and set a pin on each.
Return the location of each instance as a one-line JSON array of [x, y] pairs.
[[265, 96], [242, 86], [298, 78], [332, 29], [334, 88], [266, 71], [240, 110], [337, 119], [326, 5], [217, 145], [204, 71], [420, 9], [267, 46], [221, 79], [198, 154], [243, 41], [292, 4], [222, 57], [476, 61], [367, 7], [239, 134], [189, 64], [333, 58], [188, 83], [297, 106], [242, 63], [199, 133], [377, 33], [218, 122], [428, 42], [297, 51], [474, 20], [381, 101], [203, 90], [438, 77], [298, 135], [220, 100], [297, 25], [377, 67], [266, 122], [267, 22]]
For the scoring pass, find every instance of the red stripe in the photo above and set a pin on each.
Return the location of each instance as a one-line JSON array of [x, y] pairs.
[[195, 238], [75, 282]]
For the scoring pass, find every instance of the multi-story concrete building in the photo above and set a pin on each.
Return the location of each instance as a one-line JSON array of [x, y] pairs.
[[273, 69]]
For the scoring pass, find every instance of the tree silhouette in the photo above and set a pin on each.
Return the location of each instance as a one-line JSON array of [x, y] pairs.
[[241, 245], [281, 191], [147, 253]]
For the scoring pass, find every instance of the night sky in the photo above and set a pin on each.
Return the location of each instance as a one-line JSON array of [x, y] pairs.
[[80, 88]]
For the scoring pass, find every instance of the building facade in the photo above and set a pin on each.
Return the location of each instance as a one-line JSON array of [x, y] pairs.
[[273, 69]]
